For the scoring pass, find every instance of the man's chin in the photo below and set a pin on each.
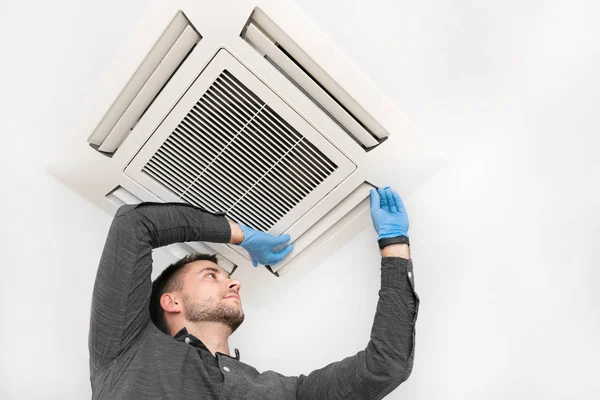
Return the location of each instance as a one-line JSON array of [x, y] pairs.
[[233, 302]]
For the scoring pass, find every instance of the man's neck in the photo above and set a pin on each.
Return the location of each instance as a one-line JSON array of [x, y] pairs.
[[214, 335]]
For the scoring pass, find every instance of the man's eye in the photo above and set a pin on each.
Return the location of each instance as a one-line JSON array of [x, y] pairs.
[[212, 274]]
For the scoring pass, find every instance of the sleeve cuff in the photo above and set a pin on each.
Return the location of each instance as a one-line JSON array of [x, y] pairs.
[[397, 272]]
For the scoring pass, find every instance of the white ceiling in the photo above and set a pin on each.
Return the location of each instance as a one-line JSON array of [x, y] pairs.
[[506, 263]]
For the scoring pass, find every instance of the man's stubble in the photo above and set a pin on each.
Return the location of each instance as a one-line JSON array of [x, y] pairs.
[[212, 311]]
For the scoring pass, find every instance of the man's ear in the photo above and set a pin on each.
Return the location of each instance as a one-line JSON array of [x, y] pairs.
[[171, 303]]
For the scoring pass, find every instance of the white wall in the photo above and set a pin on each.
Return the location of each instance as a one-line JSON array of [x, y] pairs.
[[504, 238]]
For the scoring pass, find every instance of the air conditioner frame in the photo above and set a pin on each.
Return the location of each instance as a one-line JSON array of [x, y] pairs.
[[404, 159]]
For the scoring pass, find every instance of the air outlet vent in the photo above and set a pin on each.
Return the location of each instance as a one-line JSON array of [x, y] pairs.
[[278, 49], [233, 153], [170, 51]]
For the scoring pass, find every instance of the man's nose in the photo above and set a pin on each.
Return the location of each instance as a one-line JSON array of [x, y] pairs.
[[235, 283]]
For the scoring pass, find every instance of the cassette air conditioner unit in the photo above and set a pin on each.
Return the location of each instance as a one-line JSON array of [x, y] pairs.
[[242, 107]]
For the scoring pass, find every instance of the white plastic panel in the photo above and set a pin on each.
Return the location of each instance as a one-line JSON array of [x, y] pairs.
[[176, 42], [262, 33], [232, 178]]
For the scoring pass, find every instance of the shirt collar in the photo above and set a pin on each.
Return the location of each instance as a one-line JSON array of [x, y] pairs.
[[194, 341]]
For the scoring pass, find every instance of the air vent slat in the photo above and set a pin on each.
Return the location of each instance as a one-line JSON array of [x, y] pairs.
[[311, 175], [191, 148], [203, 118], [187, 135], [303, 169], [229, 189], [203, 121], [252, 147], [291, 188], [242, 108], [240, 191], [242, 207], [285, 170], [241, 89], [315, 83], [222, 118], [229, 122], [171, 171], [276, 123], [315, 157], [250, 107], [198, 197], [240, 217], [252, 204], [211, 190], [233, 153], [316, 173], [266, 146], [194, 198], [282, 197], [245, 166], [264, 122], [201, 192], [230, 166], [216, 143], [273, 195], [311, 149], [173, 184], [281, 143], [286, 167], [190, 132], [175, 150], [231, 106]]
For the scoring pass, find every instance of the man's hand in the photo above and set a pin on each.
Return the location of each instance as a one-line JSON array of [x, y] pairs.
[[388, 214], [261, 246]]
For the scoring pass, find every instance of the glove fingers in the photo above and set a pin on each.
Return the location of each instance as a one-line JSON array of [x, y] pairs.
[[382, 199], [374, 200], [399, 203], [390, 200], [279, 240], [280, 255]]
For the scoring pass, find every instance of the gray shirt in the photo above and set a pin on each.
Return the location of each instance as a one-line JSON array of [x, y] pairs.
[[131, 359]]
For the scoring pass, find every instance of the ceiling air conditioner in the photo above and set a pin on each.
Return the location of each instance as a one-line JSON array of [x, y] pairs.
[[243, 107]]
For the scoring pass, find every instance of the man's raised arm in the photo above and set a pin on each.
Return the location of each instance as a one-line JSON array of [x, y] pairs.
[[387, 360], [123, 283]]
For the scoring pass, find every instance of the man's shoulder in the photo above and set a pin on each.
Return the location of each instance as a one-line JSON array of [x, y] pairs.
[[138, 365]]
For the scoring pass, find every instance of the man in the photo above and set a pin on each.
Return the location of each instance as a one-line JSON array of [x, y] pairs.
[[169, 340]]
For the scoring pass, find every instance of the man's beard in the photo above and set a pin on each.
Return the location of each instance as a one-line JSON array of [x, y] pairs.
[[212, 311]]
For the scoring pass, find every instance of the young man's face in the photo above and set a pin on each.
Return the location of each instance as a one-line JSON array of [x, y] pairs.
[[210, 295]]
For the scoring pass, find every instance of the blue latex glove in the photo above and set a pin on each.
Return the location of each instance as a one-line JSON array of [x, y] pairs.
[[261, 246], [388, 213]]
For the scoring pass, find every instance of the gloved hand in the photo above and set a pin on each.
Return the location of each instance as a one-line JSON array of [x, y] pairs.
[[261, 246], [388, 213]]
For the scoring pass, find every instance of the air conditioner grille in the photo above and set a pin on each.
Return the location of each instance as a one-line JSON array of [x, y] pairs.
[[233, 153]]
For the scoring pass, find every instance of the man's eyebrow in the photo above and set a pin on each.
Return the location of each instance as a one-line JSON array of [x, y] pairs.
[[213, 269]]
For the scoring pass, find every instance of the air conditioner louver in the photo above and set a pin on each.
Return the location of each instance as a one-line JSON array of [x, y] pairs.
[[174, 45], [315, 83], [121, 196], [233, 153]]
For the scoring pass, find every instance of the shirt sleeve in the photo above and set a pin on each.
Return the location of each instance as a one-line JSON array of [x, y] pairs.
[[387, 360], [123, 283]]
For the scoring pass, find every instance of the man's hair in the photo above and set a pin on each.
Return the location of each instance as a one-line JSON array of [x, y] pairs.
[[168, 281]]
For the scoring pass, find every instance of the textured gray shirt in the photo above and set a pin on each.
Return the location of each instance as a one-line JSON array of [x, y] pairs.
[[131, 359]]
